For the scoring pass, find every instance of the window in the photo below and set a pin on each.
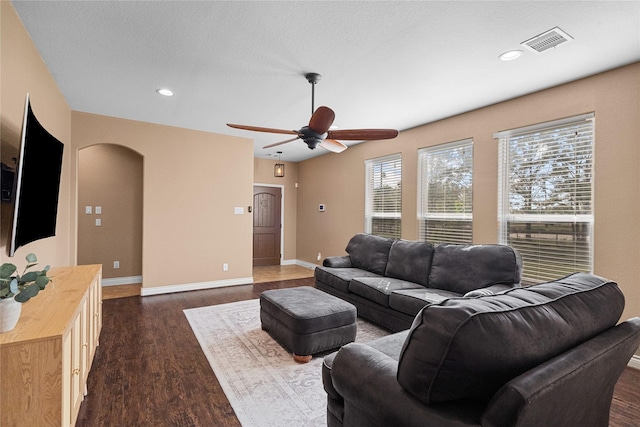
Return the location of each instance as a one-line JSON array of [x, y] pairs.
[[383, 196], [545, 196], [445, 193]]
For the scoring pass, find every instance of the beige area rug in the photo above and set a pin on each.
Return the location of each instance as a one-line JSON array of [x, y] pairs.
[[261, 380]]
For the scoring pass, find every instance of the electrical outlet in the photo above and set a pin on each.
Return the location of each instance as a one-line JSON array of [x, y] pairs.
[[225, 267], [319, 257], [116, 264], [87, 210], [98, 222]]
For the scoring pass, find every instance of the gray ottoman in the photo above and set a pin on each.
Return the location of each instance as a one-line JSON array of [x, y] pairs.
[[306, 321]]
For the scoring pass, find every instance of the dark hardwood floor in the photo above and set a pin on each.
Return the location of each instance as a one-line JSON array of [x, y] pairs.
[[149, 369]]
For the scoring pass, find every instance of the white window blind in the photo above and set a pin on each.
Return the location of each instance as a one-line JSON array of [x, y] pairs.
[[445, 193], [383, 196], [545, 200]]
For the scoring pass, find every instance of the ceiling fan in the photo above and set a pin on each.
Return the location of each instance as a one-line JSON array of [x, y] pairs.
[[318, 132]]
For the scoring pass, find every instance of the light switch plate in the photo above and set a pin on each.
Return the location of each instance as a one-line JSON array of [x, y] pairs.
[[87, 209], [98, 210], [238, 210]]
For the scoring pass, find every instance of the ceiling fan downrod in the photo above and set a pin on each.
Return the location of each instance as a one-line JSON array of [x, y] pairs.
[[313, 78]]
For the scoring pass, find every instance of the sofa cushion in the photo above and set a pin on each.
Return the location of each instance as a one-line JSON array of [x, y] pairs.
[[411, 301], [378, 289], [369, 252], [470, 347], [339, 278], [410, 261], [463, 268]]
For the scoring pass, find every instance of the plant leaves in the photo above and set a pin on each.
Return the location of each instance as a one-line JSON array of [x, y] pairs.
[[6, 270], [30, 276], [13, 286], [27, 292], [42, 281], [31, 258]]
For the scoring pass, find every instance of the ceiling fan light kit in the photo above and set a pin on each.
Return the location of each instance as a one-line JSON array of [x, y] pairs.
[[319, 132]]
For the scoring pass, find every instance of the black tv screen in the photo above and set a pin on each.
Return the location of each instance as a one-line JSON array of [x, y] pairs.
[[38, 183]]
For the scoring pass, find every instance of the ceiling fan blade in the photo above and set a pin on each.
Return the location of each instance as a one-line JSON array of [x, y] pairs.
[[322, 119], [281, 142], [260, 129], [333, 145], [362, 134]]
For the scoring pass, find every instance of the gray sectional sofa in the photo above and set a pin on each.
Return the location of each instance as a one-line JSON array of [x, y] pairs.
[[543, 355], [391, 280]]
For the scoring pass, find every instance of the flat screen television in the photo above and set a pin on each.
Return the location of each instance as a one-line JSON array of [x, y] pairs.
[[38, 183]]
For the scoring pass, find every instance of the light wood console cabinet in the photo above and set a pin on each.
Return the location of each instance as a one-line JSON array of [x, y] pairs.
[[46, 358]]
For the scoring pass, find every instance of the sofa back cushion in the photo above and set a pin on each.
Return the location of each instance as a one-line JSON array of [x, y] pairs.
[[470, 347], [369, 252], [463, 268], [410, 261]]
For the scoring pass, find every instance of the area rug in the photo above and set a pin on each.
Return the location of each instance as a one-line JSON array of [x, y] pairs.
[[262, 382]]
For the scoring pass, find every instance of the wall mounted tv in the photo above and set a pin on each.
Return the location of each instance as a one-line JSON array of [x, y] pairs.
[[38, 183]]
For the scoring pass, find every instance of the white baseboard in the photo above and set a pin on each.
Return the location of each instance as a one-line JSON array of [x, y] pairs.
[[299, 262], [306, 264], [195, 286], [634, 362], [114, 281]]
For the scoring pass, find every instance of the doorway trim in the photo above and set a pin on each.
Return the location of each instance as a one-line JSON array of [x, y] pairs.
[[281, 187]]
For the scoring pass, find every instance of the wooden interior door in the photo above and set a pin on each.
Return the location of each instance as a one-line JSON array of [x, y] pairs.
[[266, 225]]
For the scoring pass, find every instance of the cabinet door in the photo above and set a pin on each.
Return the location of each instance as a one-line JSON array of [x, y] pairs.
[[76, 366], [67, 378], [95, 297], [85, 338]]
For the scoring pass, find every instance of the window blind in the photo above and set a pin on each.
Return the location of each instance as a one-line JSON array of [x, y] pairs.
[[545, 197], [383, 196], [445, 193]]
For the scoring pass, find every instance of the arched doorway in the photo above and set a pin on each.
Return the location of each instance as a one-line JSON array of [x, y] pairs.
[[110, 188]]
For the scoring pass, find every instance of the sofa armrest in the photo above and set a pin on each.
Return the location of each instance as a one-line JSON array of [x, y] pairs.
[[572, 389], [490, 290], [366, 379], [337, 261]]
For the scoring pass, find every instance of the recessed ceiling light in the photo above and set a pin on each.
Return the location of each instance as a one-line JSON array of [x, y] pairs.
[[165, 92], [511, 55]]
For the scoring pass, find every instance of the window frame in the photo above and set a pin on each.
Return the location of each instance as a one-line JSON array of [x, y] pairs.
[[423, 214], [370, 214], [552, 260]]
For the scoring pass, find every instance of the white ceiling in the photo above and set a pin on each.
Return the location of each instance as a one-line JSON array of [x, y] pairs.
[[391, 64]]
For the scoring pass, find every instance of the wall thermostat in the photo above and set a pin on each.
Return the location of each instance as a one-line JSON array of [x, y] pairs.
[[321, 207]]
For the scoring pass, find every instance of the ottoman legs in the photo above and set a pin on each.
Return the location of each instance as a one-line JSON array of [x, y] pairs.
[[302, 359]]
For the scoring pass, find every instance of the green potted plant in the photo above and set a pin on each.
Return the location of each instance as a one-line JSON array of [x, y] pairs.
[[16, 289]]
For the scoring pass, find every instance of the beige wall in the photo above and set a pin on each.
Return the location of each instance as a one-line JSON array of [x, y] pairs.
[[23, 70], [263, 174], [192, 181], [338, 180], [110, 176]]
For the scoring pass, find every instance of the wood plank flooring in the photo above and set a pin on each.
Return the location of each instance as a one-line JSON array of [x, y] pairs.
[[149, 369]]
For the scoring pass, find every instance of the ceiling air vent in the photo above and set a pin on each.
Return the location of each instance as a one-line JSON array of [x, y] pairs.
[[547, 40]]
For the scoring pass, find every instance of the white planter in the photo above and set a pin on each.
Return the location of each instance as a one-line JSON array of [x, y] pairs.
[[9, 314]]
